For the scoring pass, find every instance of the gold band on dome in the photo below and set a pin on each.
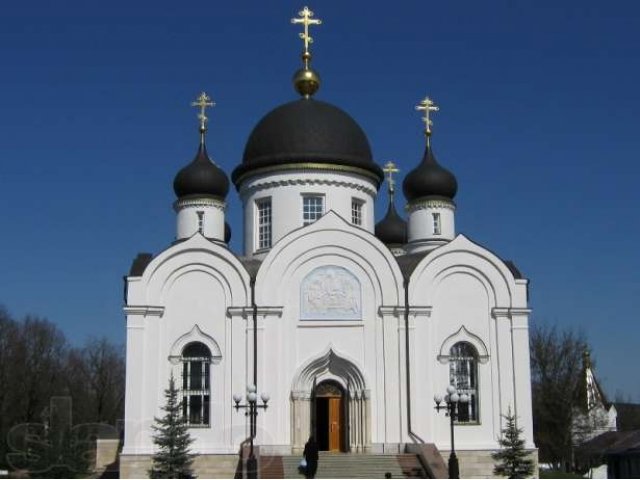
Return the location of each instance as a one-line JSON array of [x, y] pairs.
[[309, 166]]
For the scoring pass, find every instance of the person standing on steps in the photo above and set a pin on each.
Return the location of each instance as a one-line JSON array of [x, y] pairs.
[[311, 456]]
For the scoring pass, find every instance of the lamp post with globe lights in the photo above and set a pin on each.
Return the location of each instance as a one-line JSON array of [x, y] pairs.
[[251, 410], [449, 403]]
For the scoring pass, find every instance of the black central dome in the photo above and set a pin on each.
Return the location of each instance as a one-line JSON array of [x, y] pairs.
[[307, 131]]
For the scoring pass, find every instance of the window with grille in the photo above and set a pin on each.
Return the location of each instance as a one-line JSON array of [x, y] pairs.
[[356, 211], [436, 224], [196, 384], [312, 208], [264, 223], [463, 374]]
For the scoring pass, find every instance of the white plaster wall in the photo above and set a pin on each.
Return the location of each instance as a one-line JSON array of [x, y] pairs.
[[459, 290], [461, 300], [289, 343], [337, 188], [420, 227], [187, 218], [467, 286], [183, 296]]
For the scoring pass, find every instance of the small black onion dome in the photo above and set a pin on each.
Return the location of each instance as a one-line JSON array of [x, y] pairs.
[[201, 177], [392, 229], [429, 179], [307, 131], [227, 232]]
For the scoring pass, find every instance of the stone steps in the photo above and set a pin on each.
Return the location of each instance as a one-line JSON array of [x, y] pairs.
[[334, 465]]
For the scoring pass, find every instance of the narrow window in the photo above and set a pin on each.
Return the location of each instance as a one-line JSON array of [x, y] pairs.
[[463, 374], [200, 222], [436, 224], [356, 211], [196, 384], [312, 208], [264, 223]]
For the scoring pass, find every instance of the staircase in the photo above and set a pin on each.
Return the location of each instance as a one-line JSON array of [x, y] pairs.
[[344, 465]]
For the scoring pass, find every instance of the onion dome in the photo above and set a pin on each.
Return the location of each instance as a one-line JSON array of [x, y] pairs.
[[201, 177], [429, 179], [304, 132], [392, 229]]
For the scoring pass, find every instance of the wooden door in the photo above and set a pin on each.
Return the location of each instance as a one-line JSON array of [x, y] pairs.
[[335, 409]]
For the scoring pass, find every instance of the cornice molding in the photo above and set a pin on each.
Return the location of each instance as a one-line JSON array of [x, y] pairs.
[[247, 312], [390, 310], [308, 166], [144, 310], [298, 395], [258, 186], [420, 310], [201, 202], [398, 310], [506, 312], [429, 203]]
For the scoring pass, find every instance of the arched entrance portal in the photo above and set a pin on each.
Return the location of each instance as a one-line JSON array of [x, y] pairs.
[[330, 400], [330, 414]]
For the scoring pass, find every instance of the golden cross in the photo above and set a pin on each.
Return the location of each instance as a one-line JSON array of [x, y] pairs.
[[203, 101], [427, 106], [390, 168], [305, 18]]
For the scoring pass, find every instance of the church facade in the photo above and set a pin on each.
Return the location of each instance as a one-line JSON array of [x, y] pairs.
[[350, 326]]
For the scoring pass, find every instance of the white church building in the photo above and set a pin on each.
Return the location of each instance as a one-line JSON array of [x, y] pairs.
[[351, 326]]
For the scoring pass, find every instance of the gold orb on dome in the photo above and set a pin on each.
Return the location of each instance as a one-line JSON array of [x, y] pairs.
[[306, 82]]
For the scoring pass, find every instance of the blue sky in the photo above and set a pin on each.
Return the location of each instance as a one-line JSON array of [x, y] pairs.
[[538, 120]]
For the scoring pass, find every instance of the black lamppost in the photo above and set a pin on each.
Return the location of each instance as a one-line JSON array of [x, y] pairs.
[[251, 410], [451, 401]]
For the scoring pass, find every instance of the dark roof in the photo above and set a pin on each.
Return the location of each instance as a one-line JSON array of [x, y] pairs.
[[227, 232], [201, 177], [392, 229], [252, 265], [429, 179], [512, 268], [307, 131], [628, 416], [409, 262], [139, 264], [610, 443]]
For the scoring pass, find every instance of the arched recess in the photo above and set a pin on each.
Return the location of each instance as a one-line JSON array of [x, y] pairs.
[[328, 366], [334, 367], [463, 335], [195, 335], [330, 236], [195, 254], [462, 256]]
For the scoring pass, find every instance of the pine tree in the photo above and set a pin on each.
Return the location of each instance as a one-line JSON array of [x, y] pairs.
[[512, 460], [172, 459]]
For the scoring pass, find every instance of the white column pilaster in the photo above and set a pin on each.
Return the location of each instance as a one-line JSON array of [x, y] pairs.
[[522, 372]]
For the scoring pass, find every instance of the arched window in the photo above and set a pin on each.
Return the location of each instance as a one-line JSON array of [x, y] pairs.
[[463, 374], [196, 384]]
